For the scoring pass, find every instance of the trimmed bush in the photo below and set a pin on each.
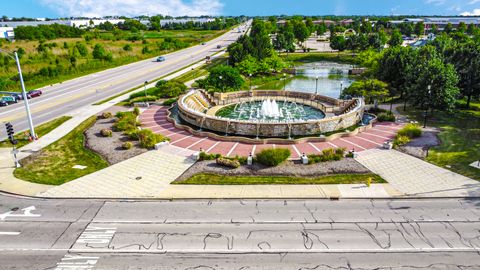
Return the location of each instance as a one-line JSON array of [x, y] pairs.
[[127, 145], [107, 115], [411, 131], [169, 101], [386, 117], [148, 139], [106, 132], [231, 163], [143, 99], [273, 157], [127, 121], [204, 156], [136, 111], [329, 154]]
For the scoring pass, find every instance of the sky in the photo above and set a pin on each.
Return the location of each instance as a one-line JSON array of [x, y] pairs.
[[97, 8]]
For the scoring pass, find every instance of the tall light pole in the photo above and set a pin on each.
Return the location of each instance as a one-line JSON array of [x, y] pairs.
[[341, 88], [24, 93], [250, 77], [145, 88], [316, 85], [426, 107], [284, 81]]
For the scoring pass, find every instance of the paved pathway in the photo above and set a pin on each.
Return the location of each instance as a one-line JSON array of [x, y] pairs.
[[143, 176], [155, 119], [416, 177]]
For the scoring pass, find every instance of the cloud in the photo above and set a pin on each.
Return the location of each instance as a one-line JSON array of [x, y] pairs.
[[475, 12], [99, 8], [473, 2], [435, 2]]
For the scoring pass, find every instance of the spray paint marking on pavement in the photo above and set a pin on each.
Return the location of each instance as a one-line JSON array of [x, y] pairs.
[[96, 235], [27, 212], [74, 262]]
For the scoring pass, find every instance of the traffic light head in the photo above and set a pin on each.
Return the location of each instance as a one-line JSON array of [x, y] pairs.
[[10, 133]]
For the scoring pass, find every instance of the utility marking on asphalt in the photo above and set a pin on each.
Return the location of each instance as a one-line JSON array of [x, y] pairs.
[[197, 142], [74, 262], [96, 235], [27, 212], [231, 149], [333, 145], [386, 138], [184, 138], [316, 148], [296, 150], [213, 146], [367, 140], [9, 233], [354, 144]]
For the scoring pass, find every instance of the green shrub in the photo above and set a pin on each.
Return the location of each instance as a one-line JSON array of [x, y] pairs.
[[148, 139], [242, 160], [143, 99], [107, 115], [204, 156], [273, 157], [126, 121], [386, 117], [106, 132], [127, 145], [411, 131], [150, 92], [231, 163], [136, 111], [400, 140], [132, 134], [169, 101], [329, 154]]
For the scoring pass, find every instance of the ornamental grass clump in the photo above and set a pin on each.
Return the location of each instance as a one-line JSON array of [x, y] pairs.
[[272, 157], [231, 163], [148, 139], [329, 154]]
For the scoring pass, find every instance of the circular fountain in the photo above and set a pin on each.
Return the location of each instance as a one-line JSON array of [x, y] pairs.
[[268, 114]]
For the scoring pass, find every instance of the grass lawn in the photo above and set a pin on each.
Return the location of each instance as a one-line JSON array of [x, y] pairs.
[[40, 130], [53, 164], [202, 70], [460, 139], [213, 179]]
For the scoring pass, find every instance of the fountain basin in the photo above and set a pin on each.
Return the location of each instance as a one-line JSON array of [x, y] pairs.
[[320, 114]]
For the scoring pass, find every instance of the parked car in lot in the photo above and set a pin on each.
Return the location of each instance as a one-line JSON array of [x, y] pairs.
[[9, 99], [160, 59], [20, 96], [35, 93]]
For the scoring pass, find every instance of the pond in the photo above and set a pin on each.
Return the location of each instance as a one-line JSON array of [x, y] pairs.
[[332, 77]]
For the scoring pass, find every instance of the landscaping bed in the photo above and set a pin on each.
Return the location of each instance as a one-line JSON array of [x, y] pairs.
[[288, 168]]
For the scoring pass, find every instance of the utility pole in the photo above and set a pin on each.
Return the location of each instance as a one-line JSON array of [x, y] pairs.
[[25, 99]]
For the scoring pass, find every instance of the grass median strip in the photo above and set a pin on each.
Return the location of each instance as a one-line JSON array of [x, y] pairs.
[[214, 179], [41, 130], [53, 165]]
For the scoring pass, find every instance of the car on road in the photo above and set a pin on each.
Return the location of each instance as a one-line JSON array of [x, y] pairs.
[[161, 59], [20, 96], [203, 43], [9, 99], [219, 46], [34, 93]]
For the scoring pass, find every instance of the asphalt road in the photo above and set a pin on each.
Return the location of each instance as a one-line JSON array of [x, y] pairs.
[[61, 98], [249, 234]]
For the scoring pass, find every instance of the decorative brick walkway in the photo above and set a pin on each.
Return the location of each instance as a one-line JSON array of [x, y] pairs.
[[155, 119]]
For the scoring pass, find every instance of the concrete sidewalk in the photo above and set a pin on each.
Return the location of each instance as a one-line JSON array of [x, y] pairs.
[[416, 177]]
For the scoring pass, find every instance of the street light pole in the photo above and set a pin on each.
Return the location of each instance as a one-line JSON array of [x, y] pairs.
[[250, 77], [145, 88], [316, 85], [25, 98], [284, 81], [426, 108]]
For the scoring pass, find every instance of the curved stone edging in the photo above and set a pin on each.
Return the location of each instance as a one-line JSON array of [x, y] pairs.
[[269, 140]]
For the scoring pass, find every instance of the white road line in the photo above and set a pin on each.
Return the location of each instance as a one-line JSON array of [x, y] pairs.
[[354, 144], [9, 233], [253, 149], [386, 138], [231, 149], [367, 140], [197, 142], [316, 148], [184, 138], [296, 150], [333, 145], [213, 146]]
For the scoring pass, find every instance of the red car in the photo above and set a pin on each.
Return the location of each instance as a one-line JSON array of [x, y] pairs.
[[35, 93]]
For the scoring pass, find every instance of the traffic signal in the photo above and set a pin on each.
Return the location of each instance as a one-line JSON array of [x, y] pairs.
[[10, 133]]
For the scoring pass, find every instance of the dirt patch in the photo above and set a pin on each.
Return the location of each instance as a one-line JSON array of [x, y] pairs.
[[110, 148], [289, 168]]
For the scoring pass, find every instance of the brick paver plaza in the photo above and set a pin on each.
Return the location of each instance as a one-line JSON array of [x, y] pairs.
[[155, 118]]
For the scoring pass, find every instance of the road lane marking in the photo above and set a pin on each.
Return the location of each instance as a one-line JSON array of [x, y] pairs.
[[296, 150], [9, 233], [27, 212], [231, 149], [96, 235], [333, 145], [76, 262]]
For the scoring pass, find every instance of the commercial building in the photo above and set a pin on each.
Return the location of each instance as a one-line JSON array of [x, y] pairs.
[[440, 22], [7, 32]]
